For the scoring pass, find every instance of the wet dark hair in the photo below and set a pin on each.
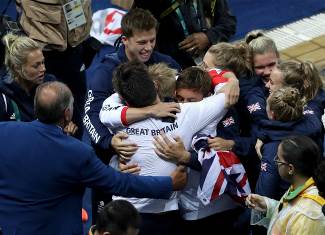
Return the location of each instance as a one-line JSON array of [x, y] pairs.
[[132, 81]]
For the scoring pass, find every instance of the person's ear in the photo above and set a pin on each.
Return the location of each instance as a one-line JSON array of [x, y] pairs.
[[67, 115], [291, 169], [124, 39]]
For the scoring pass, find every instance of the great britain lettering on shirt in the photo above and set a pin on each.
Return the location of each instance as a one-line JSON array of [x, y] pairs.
[[152, 132]]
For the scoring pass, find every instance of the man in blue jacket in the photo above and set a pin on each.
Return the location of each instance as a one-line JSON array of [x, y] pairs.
[[43, 172], [139, 29]]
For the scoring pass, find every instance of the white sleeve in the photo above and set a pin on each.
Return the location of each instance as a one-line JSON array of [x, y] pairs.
[[200, 114], [110, 113]]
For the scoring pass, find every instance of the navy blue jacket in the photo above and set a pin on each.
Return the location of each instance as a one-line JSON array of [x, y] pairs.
[[43, 175], [100, 87], [270, 183], [317, 104], [250, 109], [24, 101]]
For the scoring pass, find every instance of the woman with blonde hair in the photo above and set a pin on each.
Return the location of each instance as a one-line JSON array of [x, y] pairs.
[[26, 70], [24, 61], [265, 55], [305, 77], [285, 109]]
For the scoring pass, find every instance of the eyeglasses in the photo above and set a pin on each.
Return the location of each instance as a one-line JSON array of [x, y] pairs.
[[276, 160]]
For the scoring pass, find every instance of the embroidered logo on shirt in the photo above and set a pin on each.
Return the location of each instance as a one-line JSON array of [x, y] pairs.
[[228, 121], [264, 166], [254, 107], [308, 111]]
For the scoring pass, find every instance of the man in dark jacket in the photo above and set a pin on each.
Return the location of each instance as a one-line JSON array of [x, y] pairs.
[[187, 28]]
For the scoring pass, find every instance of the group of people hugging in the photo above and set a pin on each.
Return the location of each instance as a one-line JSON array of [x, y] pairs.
[[244, 124]]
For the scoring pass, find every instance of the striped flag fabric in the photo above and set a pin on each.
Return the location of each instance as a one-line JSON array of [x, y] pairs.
[[222, 172]]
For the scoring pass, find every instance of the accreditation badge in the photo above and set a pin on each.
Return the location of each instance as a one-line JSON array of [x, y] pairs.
[[74, 14]]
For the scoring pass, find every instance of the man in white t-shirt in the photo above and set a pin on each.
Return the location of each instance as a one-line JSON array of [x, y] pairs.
[[137, 89]]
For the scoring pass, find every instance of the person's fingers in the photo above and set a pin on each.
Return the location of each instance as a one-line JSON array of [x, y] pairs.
[[178, 139], [182, 168], [127, 154], [121, 135], [157, 144], [160, 154], [166, 139], [127, 148], [124, 158], [161, 141]]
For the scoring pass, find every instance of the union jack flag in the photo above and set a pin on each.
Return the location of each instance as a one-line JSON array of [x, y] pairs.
[[228, 121], [222, 172], [254, 107]]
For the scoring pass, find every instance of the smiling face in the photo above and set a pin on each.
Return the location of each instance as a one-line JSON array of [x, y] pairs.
[[34, 68], [140, 45], [264, 64], [276, 80]]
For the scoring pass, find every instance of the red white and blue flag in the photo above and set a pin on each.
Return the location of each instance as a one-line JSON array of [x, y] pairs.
[[222, 172]]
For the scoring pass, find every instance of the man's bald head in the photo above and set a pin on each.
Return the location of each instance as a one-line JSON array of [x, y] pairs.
[[50, 102]]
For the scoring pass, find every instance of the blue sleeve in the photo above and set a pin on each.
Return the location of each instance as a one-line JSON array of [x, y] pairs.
[[99, 88], [95, 174]]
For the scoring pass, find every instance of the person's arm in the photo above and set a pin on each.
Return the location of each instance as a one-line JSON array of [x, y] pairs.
[[201, 114], [175, 151], [94, 174], [113, 114], [263, 209], [224, 23], [225, 81], [99, 88]]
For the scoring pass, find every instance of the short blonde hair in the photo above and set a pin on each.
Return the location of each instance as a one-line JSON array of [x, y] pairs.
[[165, 79], [17, 50]]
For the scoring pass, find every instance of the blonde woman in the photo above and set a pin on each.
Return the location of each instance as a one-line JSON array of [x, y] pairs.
[[24, 61]]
